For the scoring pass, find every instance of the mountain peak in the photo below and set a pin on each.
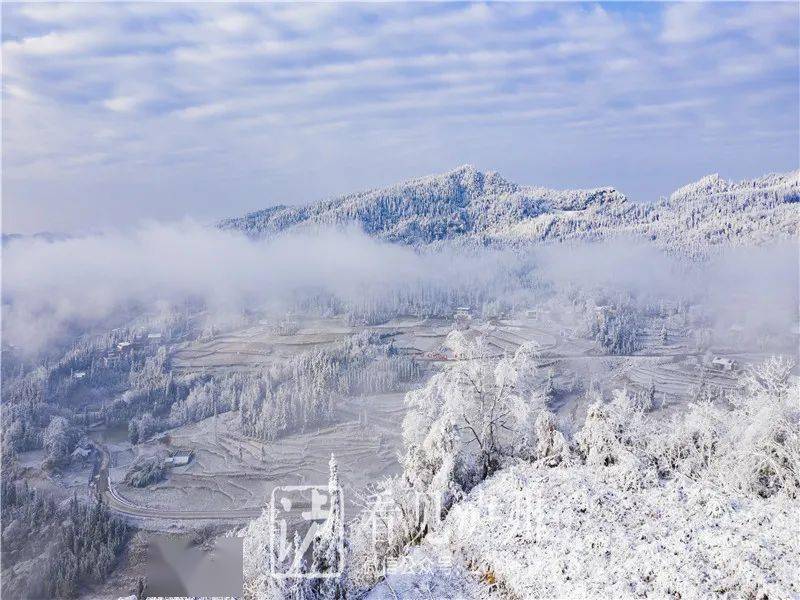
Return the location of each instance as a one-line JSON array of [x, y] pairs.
[[465, 168], [470, 204], [468, 178], [709, 184]]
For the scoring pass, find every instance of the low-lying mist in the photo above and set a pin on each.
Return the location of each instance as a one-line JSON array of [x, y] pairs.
[[54, 290], [753, 288]]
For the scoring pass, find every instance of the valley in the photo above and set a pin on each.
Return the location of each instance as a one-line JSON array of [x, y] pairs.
[[231, 476], [189, 419]]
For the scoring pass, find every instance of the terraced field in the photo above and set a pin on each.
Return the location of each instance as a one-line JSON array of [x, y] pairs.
[[231, 477]]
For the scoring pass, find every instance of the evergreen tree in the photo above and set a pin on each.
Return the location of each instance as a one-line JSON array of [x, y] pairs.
[[329, 545]]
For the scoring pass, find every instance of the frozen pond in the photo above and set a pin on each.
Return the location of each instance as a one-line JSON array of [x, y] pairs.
[[111, 434]]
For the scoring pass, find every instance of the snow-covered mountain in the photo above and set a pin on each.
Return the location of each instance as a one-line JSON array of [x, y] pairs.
[[483, 207]]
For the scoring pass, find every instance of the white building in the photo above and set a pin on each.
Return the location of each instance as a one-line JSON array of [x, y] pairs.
[[179, 459], [724, 364]]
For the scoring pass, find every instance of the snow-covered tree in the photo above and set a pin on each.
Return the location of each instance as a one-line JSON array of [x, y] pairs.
[[329, 548], [260, 559], [597, 440], [763, 437], [552, 448], [59, 441]]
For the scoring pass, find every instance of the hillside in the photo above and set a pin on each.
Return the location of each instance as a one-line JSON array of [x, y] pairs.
[[576, 533], [464, 201], [483, 207], [631, 504]]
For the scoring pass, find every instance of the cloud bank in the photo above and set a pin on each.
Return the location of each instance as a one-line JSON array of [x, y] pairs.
[[756, 289], [54, 290]]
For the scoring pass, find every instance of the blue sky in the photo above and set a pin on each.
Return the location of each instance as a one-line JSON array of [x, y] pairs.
[[115, 113]]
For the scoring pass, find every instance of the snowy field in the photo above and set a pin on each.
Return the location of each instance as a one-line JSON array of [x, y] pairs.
[[230, 471], [260, 344]]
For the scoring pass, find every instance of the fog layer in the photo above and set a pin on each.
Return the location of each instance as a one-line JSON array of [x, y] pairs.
[[55, 288]]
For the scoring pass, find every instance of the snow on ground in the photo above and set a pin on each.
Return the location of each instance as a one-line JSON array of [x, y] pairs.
[[231, 471], [258, 345], [366, 444], [573, 533], [31, 458], [431, 570]]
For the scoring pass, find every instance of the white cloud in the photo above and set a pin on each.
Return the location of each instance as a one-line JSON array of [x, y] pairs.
[[53, 44], [686, 22], [122, 103], [272, 81]]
